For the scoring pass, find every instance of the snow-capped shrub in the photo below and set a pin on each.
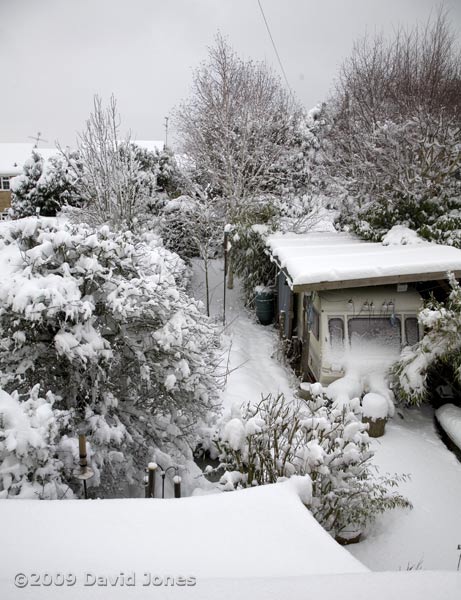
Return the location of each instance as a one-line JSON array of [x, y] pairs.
[[99, 318], [45, 187], [32, 462], [276, 439], [440, 345]]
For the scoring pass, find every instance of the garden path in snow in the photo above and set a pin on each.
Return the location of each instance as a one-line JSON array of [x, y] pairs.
[[254, 366]]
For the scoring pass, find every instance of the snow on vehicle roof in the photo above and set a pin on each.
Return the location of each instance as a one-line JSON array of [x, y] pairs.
[[13, 155], [325, 260]]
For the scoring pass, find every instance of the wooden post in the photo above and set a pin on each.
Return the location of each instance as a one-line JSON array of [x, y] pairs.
[[83, 459], [151, 468], [177, 486], [163, 474]]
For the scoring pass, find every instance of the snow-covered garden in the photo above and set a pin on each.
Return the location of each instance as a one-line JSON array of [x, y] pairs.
[[132, 362], [425, 537]]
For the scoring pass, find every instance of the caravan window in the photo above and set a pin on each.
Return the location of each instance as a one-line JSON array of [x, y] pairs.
[[313, 321], [336, 331], [384, 330], [411, 330]]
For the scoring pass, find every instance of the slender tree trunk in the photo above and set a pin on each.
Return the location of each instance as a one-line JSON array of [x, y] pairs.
[[207, 287]]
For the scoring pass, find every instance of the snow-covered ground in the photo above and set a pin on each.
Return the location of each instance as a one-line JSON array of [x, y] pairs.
[[254, 366], [429, 534]]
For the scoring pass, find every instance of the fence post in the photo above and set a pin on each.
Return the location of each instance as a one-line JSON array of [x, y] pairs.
[[85, 471]]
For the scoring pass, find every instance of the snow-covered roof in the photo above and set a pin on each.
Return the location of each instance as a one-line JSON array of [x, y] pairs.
[[259, 532], [260, 543], [325, 260], [151, 145], [13, 155]]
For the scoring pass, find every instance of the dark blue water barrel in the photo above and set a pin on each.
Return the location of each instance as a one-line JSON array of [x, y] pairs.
[[265, 307]]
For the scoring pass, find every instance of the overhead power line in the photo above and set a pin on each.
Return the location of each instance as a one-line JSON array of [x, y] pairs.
[[274, 46]]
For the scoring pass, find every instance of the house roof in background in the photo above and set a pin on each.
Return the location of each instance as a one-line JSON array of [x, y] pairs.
[[151, 145], [325, 260], [13, 155]]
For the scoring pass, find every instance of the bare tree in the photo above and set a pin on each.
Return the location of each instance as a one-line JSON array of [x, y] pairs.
[[395, 138], [236, 124], [113, 186], [417, 71]]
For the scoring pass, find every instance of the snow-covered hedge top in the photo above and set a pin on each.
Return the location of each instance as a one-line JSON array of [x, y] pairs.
[[374, 406], [327, 257]]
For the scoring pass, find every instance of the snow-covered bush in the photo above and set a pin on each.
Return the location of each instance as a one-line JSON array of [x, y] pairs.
[[44, 187], [440, 345], [248, 254], [276, 439], [407, 173], [102, 321], [192, 226], [33, 464]]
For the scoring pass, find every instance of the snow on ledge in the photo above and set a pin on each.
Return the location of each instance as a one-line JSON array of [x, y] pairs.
[[449, 417]]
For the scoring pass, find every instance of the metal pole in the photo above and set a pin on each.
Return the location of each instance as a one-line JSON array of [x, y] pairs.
[[226, 237], [166, 132]]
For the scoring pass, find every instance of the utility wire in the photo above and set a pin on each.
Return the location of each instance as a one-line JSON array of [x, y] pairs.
[[274, 46]]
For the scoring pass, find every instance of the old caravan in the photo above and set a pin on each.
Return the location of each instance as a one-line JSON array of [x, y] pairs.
[[341, 299]]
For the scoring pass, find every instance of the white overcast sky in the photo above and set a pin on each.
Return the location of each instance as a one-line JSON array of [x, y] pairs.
[[56, 54]]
